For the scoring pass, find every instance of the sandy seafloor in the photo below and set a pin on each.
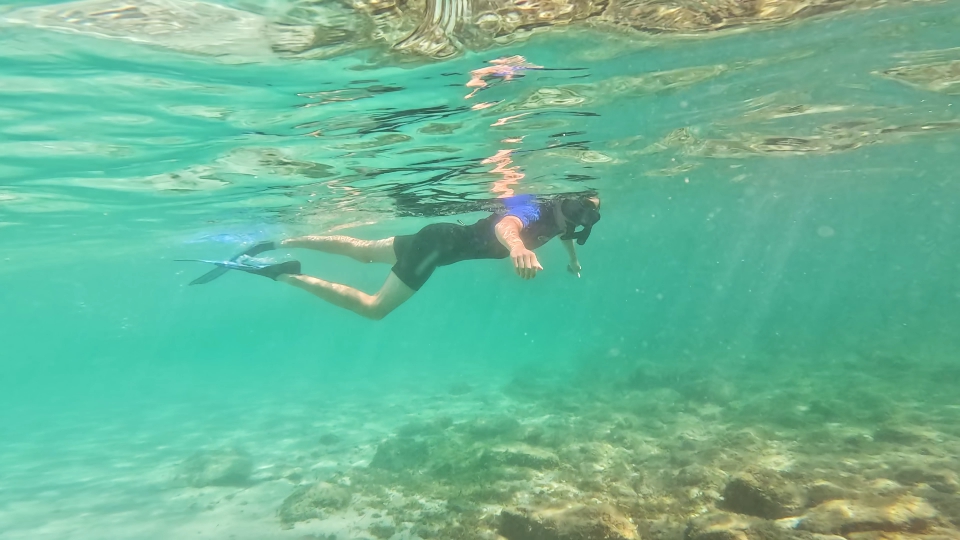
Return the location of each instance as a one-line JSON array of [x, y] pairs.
[[863, 446]]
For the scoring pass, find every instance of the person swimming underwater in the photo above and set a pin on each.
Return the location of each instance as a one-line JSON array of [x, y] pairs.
[[523, 226]]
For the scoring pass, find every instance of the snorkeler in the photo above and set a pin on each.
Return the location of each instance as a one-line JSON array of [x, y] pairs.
[[524, 225]]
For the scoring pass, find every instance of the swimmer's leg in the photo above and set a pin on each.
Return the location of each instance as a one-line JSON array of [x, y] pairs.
[[365, 251], [376, 306]]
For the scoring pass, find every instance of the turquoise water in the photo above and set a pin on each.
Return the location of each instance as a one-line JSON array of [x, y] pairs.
[[780, 211]]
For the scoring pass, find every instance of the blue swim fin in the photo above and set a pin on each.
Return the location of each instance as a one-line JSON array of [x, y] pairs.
[[270, 270], [221, 270]]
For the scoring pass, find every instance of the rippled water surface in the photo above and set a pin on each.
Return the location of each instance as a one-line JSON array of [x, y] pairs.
[[779, 185]]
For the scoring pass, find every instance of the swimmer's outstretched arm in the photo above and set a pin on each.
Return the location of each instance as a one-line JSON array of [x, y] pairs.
[[574, 266], [525, 262]]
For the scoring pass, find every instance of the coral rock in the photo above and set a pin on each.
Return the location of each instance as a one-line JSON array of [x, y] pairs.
[[577, 523]]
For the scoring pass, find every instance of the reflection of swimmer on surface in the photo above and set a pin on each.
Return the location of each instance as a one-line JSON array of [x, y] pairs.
[[510, 175], [525, 224], [505, 68]]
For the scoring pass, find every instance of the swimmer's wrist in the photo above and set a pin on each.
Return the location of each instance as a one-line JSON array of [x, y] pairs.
[[513, 243], [517, 248]]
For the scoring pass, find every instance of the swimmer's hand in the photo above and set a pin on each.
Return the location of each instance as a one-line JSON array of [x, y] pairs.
[[574, 268], [525, 262]]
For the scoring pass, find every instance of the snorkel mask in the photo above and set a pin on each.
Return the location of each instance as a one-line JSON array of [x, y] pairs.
[[579, 212]]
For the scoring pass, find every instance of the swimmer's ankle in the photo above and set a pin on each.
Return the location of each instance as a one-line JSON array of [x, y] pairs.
[[287, 278]]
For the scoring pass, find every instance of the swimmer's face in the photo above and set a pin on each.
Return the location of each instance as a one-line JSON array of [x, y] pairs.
[[595, 201]]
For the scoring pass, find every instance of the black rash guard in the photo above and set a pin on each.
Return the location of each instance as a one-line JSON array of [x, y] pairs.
[[440, 244]]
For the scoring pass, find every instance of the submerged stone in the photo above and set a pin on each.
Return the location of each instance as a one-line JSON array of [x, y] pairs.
[[943, 480], [823, 491], [222, 467], [763, 494], [581, 522], [718, 526], [520, 455], [424, 428], [329, 439], [726, 526], [896, 435], [400, 454], [936, 534], [492, 428], [313, 501], [905, 514], [698, 475], [414, 429], [383, 531]]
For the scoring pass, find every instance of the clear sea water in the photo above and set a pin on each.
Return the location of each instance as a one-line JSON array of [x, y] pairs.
[[772, 195]]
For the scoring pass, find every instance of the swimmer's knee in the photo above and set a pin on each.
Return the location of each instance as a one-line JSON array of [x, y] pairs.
[[377, 313], [376, 310]]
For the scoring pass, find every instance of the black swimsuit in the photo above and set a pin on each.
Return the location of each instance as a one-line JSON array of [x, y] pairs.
[[440, 244]]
